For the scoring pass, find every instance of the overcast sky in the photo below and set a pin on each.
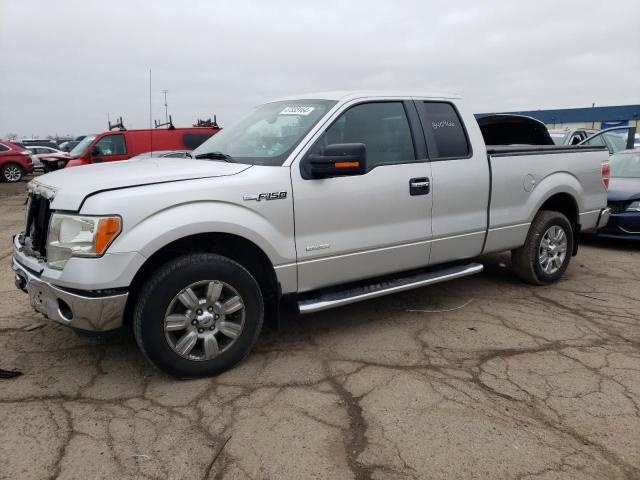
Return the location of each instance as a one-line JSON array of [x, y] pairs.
[[67, 64]]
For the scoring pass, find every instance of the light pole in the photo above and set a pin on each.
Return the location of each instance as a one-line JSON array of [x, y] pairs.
[[166, 111]]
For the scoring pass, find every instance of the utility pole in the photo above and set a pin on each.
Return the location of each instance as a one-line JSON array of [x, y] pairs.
[[166, 111]]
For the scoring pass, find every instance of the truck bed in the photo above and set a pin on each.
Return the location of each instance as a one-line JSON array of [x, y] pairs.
[[520, 186], [515, 150]]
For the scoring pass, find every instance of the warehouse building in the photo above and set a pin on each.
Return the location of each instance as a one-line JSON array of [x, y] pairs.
[[590, 117]]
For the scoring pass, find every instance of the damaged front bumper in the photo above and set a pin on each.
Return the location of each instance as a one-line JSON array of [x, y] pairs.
[[89, 311]]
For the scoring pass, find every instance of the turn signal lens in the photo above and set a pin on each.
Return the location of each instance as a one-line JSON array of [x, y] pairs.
[[605, 171], [108, 229], [347, 164]]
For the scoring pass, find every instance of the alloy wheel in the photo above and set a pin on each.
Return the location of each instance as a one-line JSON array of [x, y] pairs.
[[204, 319], [553, 249], [12, 173]]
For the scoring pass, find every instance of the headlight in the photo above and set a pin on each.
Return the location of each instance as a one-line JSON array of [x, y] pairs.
[[79, 236], [633, 206]]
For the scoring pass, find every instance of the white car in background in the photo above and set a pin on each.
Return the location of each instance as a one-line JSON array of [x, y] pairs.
[[38, 152]]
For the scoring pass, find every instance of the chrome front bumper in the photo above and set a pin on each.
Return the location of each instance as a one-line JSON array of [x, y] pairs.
[[97, 313]]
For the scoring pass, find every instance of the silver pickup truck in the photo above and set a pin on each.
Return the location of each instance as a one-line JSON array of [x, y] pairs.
[[325, 199]]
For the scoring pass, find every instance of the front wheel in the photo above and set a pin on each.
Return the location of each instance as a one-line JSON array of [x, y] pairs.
[[546, 253], [11, 173], [198, 315]]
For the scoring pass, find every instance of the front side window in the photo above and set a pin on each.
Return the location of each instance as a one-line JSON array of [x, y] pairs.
[[382, 127], [3, 148], [112, 145], [267, 135], [444, 130]]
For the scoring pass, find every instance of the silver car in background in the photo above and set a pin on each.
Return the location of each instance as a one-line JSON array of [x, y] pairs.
[[163, 154], [569, 136]]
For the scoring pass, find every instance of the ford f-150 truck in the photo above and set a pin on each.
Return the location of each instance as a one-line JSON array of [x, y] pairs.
[[325, 199]]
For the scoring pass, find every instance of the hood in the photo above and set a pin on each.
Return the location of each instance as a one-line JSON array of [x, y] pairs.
[[57, 155], [623, 189], [70, 186]]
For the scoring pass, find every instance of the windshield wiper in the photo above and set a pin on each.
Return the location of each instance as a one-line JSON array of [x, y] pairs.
[[215, 156]]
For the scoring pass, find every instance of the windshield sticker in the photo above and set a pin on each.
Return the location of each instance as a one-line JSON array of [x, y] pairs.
[[297, 110], [442, 124]]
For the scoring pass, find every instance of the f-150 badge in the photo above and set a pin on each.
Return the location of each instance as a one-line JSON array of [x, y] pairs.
[[266, 196]]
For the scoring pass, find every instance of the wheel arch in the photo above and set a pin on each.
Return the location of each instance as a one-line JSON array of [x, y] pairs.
[[233, 246], [564, 203]]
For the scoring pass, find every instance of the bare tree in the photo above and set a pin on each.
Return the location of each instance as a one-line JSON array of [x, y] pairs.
[[11, 136]]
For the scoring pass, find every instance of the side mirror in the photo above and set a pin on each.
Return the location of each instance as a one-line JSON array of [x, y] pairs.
[[339, 159], [96, 153]]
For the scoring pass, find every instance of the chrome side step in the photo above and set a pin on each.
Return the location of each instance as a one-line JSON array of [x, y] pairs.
[[326, 301]]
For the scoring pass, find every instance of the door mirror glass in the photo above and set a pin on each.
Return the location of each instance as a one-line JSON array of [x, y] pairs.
[[95, 151], [338, 159]]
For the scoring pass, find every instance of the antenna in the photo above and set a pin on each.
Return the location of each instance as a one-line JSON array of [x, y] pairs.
[[166, 111], [150, 117]]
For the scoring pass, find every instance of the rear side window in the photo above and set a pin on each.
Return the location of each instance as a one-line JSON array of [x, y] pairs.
[[194, 140], [444, 130]]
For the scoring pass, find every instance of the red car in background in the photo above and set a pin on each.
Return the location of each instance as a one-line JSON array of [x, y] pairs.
[[123, 144], [15, 162]]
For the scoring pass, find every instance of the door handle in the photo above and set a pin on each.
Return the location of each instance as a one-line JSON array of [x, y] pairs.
[[419, 186]]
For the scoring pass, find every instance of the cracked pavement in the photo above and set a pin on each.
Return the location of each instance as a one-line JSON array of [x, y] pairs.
[[522, 382]]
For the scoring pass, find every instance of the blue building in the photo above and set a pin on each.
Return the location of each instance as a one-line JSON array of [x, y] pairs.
[[590, 117]]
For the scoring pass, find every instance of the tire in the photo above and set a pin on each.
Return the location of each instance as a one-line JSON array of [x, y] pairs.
[[164, 302], [531, 262], [11, 172]]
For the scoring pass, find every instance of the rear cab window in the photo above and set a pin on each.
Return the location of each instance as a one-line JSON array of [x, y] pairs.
[[444, 131]]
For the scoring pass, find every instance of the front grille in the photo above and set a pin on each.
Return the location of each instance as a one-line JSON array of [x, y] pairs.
[[618, 207], [35, 233]]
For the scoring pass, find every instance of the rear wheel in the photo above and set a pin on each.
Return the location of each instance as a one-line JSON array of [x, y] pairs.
[[546, 253], [198, 315], [11, 172]]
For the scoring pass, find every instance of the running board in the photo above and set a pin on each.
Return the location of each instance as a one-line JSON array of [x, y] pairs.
[[325, 301]]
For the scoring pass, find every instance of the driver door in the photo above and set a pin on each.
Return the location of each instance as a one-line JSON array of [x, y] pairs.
[[364, 225], [112, 148], [615, 139]]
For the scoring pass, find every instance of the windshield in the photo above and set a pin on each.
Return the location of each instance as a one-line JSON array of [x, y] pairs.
[[625, 165], [77, 151], [268, 134]]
